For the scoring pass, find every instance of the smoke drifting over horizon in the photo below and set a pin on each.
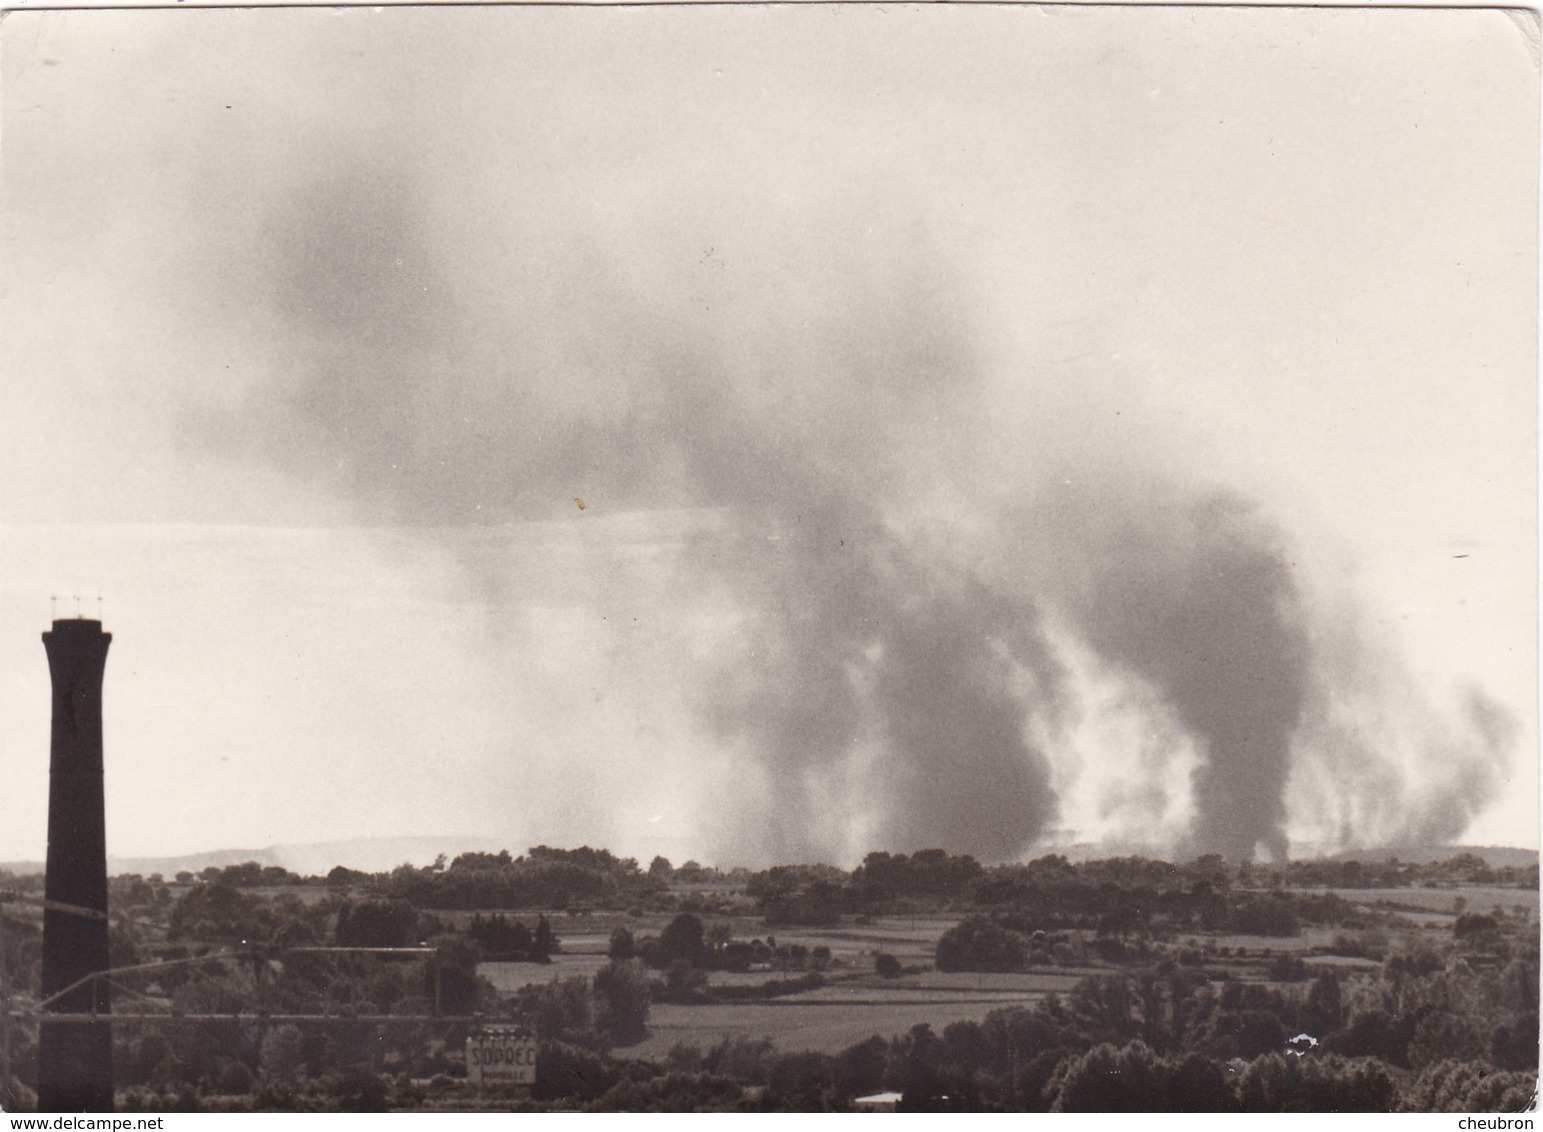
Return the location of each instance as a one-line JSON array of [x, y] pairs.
[[810, 382]]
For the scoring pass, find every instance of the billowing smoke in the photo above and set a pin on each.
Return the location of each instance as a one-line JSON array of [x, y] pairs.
[[1193, 594], [867, 666], [1367, 724], [864, 645], [810, 394]]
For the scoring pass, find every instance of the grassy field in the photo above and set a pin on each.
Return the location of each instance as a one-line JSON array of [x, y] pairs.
[[804, 1024], [855, 1003]]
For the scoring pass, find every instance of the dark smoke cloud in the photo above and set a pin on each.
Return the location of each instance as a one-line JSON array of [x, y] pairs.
[[802, 443], [864, 643], [883, 667], [1192, 594]]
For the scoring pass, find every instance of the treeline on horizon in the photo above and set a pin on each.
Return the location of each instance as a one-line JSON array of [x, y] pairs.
[[1121, 897], [1154, 893], [884, 883]]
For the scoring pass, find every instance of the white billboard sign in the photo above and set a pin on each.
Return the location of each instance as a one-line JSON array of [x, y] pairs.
[[501, 1054]]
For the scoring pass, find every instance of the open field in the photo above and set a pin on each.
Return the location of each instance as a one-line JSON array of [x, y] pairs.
[[854, 1003], [799, 1024], [510, 977], [1308, 939]]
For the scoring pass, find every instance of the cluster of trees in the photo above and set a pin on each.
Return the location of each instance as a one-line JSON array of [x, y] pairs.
[[1113, 896], [1473, 997], [511, 941], [248, 874], [686, 939], [610, 1009], [693, 873], [929, 874], [1201, 895], [380, 923], [802, 895], [544, 878], [963, 1068], [218, 913], [1413, 1016], [686, 950]]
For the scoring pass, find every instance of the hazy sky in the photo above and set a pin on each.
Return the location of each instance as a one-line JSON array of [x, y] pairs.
[[995, 427]]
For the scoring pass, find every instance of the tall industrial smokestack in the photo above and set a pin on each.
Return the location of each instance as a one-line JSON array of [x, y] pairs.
[[75, 1069]]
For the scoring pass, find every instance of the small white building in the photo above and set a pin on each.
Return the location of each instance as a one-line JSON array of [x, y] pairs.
[[877, 1102]]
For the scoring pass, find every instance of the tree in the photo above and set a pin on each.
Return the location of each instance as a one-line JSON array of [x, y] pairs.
[[1283, 1083], [1247, 1033], [1105, 1009], [1442, 1035], [1469, 1086], [1375, 1033], [563, 1010], [860, 1068], [235, 1079], [1199, 1084], [1476, 928], [543, 943], [683, 938], [683, 983], [979, 944], [741, 1057], [622, 998], [804, 1082], [916, 1066], [1325, 1004], [887, 966], [451, 975], [217, 911], [1515, 1045], [661, 869], [342, 877], [1110, 1079], [623, 946], [671, 1092], [570, 1071], [377, 923]]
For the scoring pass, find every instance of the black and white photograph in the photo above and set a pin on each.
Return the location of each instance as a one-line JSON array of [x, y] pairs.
[[797, 557]]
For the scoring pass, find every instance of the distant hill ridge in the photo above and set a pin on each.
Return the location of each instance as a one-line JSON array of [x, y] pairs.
[[367, 854], [381, 854]]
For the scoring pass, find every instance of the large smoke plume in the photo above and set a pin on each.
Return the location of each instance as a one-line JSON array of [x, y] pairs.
[[1193, 594], [817, 400]]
